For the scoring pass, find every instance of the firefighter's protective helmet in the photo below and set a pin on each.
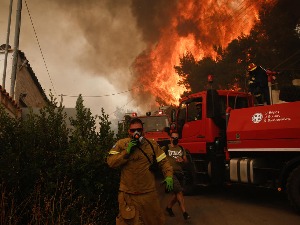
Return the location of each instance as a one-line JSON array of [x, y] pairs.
[[251, 67]]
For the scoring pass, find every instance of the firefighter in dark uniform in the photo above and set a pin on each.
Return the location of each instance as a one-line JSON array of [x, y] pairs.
[[258, 84], [138, 198]]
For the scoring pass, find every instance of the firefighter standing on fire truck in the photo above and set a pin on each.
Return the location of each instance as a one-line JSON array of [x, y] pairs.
[[138, 197], [258, 84]]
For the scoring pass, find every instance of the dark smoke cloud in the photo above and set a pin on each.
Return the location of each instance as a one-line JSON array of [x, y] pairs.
[[98, 37], [111, 38], [152, 16]]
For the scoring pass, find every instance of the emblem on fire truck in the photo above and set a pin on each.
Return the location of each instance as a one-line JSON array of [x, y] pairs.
[[257, 117]]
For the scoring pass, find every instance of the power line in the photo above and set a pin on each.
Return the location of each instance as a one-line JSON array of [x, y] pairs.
[[122, 106], [298, 51], [100, 96], [35, 33], [295, 62], [243, 9], [239, 14], [239, 11]]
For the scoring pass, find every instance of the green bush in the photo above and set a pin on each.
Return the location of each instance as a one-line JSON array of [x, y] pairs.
[[53, 175]]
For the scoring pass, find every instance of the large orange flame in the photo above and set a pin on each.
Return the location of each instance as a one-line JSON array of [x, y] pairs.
[[196, 27]]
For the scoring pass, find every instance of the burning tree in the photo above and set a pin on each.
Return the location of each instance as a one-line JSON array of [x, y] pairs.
[[182, 27]]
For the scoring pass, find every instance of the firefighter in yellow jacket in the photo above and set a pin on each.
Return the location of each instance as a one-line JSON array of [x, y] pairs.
[[138, 157]]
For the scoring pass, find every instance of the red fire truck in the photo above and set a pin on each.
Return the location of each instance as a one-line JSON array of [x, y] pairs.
[[229, 140]]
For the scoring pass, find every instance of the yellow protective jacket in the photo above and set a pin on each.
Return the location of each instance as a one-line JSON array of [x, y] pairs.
[[136, 178]]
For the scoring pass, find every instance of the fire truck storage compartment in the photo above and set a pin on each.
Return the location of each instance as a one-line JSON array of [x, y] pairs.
[[243, 170], [279, 122]]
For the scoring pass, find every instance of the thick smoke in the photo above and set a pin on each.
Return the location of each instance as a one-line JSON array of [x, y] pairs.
[[153, 16], [115, 34], [79, 39], [111, 38], [132, 43]]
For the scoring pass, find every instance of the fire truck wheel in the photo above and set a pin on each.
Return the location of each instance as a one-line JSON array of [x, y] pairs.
[[188, 182], [189, 188], [293, 188]]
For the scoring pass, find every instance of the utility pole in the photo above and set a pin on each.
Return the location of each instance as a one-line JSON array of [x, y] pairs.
[[16, 49], [7, 43], [61, 99]]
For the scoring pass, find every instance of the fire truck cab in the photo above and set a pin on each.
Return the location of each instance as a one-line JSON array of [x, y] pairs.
[[229, 140], [156, 125]]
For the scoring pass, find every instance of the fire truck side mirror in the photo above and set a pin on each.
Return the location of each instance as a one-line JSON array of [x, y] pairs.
[[173, 115], [173, 127], [213, 104], [210, 79], [167, 130]]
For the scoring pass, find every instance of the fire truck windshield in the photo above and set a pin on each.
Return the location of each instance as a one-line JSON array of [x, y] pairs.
[[155, 123]]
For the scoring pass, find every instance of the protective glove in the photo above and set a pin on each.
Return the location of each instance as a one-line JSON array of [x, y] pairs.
[[169, 183], [131, 144]]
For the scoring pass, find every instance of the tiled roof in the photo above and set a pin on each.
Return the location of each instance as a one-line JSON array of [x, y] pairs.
[[9, 103], [8, 97]]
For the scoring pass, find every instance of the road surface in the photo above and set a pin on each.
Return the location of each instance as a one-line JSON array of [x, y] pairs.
[[234, 205]]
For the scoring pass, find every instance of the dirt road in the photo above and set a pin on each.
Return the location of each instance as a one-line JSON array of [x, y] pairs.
[[235, 205]]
